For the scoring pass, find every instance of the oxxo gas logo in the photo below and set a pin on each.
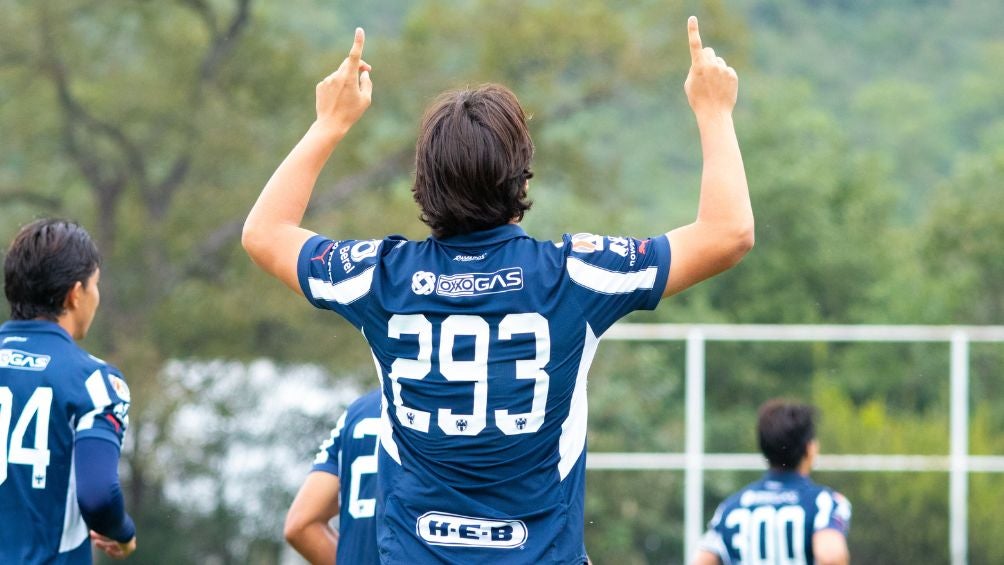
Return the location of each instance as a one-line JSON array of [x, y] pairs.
[[438, 528], [17, 359], [472, 284]]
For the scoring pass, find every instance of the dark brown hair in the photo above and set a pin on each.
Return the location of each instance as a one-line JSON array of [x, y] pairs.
[[45, 260], [784, 430], [472, 161]]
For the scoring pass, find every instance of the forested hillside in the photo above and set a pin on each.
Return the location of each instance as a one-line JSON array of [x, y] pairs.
[[873, 136]]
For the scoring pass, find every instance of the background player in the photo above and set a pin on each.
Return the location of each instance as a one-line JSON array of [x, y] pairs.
[[345, 464], [482, 335], [63, 413], [784, 517]]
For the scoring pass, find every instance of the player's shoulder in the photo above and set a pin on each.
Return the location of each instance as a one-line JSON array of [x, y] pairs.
[[366, 406], [833, 496]]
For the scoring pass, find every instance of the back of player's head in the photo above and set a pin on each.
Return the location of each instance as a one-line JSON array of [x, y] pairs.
[[472, 161], [784, 430], [45, 260]]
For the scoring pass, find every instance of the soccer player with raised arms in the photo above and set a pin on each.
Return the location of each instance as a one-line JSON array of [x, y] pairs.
[[482, 335], [342, 483], [784, 517], [63, 412]]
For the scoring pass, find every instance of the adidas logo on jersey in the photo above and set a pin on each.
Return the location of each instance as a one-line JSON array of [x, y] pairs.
[[438, 528], [17, 359]]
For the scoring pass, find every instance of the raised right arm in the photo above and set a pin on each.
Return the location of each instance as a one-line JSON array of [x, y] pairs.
[[272, 233], [723, 231]]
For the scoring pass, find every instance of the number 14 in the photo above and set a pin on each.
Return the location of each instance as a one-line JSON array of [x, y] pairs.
[[475, 370]]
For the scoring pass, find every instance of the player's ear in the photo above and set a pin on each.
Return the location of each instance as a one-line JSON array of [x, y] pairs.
[[73, 296], [812, 450]]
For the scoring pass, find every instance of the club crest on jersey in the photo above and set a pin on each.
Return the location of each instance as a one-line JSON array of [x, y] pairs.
[[473, 284], [120, 387], [423, 283], [23, 360], [438, 528]]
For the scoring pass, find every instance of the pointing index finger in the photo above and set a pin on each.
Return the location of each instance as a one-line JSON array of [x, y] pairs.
[[356, 53], [695, 39]]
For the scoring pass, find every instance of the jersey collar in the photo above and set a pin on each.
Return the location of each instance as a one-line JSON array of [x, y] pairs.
[[484, 237], [784, 476], [35, 326]]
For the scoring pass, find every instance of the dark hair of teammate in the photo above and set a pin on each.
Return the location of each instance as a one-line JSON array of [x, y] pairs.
[[45, 260], [784, 430], [472, 161]]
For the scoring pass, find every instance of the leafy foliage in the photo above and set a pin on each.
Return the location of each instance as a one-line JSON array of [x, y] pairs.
[[871, 133]]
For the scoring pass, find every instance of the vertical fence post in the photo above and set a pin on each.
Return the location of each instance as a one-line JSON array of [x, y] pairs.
[[693, 511], [959, 474]]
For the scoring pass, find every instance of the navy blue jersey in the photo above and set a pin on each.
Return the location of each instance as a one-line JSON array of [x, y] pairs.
[[51, 394], [773, 520], [483, 342], [351, 454]]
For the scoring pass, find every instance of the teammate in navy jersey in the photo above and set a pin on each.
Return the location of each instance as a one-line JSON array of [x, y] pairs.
[[483, 336], [342, 483], [63, 413], [784, 517]]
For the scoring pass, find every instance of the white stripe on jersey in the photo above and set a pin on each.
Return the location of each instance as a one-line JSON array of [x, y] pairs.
[[573, 430], [824, 502], [74, 528], [344, 292], [322, 454], [610, 282], [386, 438], [96, 389]]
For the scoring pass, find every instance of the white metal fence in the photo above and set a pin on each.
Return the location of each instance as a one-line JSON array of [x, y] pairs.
[[958, 463]]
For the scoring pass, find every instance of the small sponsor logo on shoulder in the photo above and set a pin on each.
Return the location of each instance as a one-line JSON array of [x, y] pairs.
[[439, 528], [23, 360], [473, 284], [14, 339], [587, 243]]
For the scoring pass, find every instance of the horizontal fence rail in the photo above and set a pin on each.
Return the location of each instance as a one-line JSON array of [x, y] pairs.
[[958, 463], [611, 461]]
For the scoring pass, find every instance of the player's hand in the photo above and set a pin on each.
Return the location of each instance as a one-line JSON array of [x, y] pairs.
[[344, 95], [112, 548], [712, 85]]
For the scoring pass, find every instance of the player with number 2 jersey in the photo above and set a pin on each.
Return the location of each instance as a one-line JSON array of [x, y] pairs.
[[342, 483]]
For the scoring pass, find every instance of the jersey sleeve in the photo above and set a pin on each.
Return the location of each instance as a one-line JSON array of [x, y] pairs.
[[329, 457], [338, 275], [833, 511], [616, 275], [104, 413], [712, 541]]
